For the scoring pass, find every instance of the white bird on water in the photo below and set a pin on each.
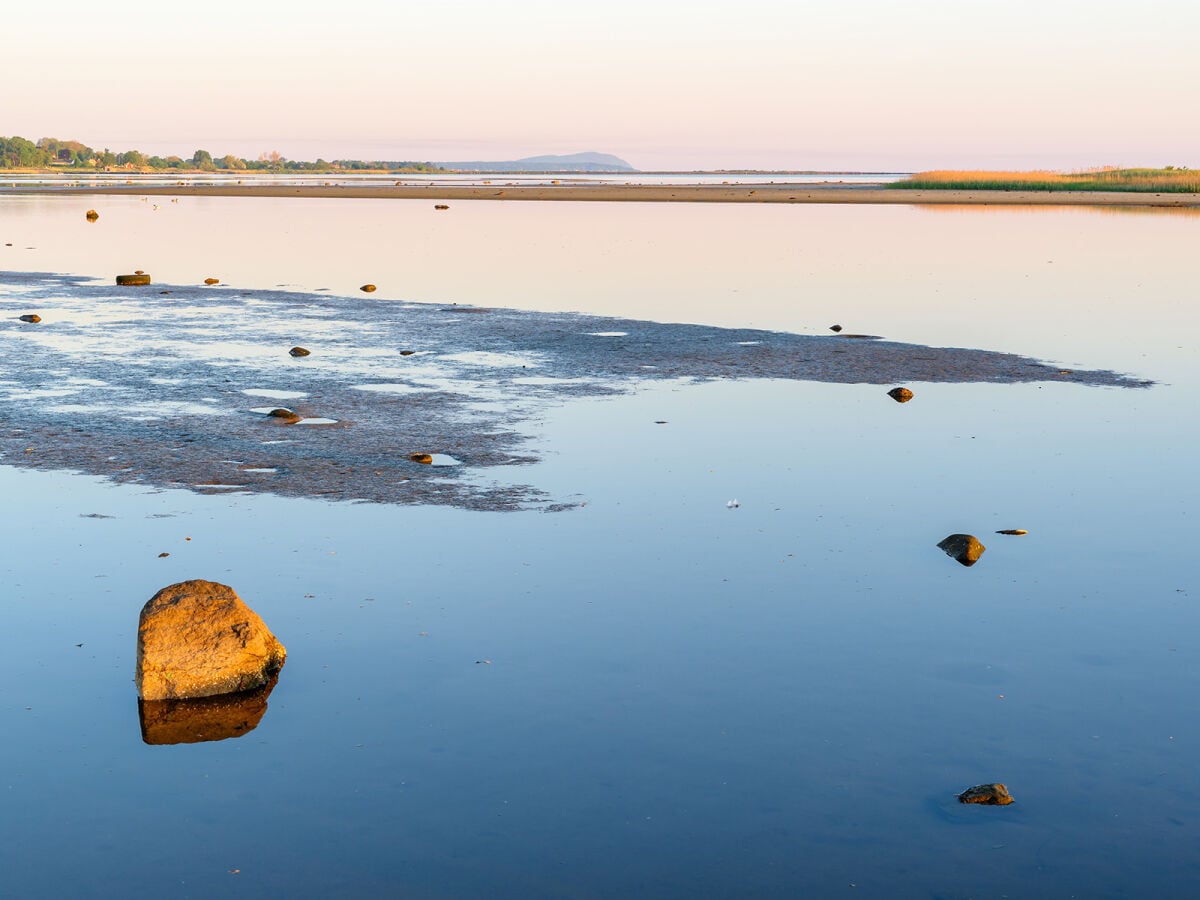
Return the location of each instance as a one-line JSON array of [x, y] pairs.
[[732, 504]]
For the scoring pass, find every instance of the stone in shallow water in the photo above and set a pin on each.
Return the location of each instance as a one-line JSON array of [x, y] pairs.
[[987, 794], [367, 288], [286, 415], [32, 318], [965, 548], [424, 459], [299, 351], [900, 394], [133, 279], [212, 280], [198, 639]]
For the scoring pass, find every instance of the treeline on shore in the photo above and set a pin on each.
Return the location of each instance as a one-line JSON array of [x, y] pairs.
[[52, 153]]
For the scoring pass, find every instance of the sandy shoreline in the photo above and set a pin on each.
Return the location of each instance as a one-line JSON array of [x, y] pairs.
[[653, 193]]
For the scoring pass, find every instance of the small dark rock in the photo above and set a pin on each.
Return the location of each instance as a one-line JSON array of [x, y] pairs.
[[987, 794], [423, 458], [138, 272], [33, 318], [299, 351], [407, 352], [367, 288], [440, 206], [1012, 531], [835, 327], [965, 548], [163, 555], [900, 395], [91, 215], [285, 414]]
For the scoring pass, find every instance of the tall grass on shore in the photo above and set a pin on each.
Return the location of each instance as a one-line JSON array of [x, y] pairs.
[[1153, 181]]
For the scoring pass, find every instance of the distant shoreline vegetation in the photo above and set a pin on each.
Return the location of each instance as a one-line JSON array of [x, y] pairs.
[[56, 155], [1169, 179]]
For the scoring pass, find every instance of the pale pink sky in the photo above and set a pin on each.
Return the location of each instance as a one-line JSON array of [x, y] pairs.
[[822, 85]]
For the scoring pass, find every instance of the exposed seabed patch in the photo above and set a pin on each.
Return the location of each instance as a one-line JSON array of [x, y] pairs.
[[164, 384]]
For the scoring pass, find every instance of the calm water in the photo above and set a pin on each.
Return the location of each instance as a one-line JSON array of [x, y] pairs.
[[679, 699]]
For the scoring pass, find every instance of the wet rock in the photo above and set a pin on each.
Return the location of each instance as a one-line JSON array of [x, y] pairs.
[[987, 794], [835, 328], [284, 414], [204, 719], [198, 639], [407, 352], [965, 548], [136, 278], [900, 395], [91, 215], [32, 318], [367, 288], [424, 459], [1012, 531], [300, 351], [138, 272], [440, 206], [212, 280]]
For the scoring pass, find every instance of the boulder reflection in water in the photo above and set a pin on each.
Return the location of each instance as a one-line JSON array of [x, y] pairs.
[[204, 719]]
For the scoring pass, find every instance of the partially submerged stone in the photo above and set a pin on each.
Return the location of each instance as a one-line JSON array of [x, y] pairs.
[[204, 719], [136, 278], [198, 639], [424, 459], [32, 318], [212, 280], [367, 288], [835, 328], [900, 394], [299, 351], [1017, 531], [441, 206], [91, 215], [284, 414], [965, 548], [987, 794]]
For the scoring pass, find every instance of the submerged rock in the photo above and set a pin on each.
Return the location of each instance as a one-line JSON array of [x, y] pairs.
[[900, 394], [965, 548], [367, 288], [198, 639], [424, 459], [204, 719], [987, 794], [300, 351], [287, 415], [32, 318], [136, 278]]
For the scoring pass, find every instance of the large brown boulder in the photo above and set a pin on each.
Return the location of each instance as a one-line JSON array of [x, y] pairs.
[[198, 639]]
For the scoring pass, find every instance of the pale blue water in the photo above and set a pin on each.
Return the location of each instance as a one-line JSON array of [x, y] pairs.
[[680, 699]]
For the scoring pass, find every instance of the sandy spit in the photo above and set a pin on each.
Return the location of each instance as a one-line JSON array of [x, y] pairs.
[[762, 193]]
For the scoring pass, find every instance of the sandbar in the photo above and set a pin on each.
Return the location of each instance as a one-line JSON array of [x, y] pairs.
[[640, 193]]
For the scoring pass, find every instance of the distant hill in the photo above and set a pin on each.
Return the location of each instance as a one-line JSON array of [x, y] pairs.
[[575, 162]]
